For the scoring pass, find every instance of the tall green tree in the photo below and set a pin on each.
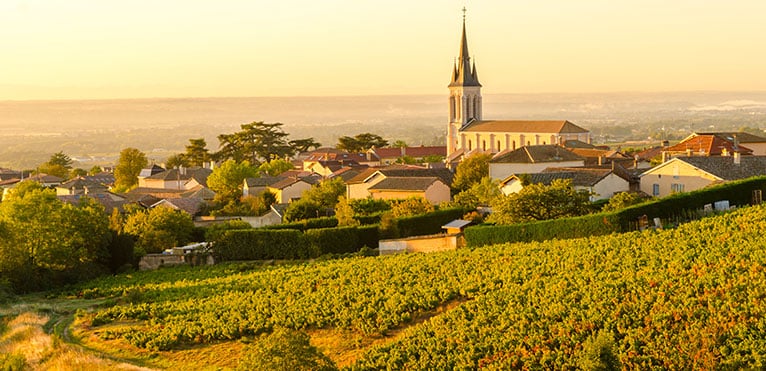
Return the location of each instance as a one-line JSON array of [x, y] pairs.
[[361, 142], [275, 167], [483, 193], [285, 350], [256, 142], [227, 180], [128, 167], [196, 152], [541, 202], [470, 171], [175, 161], [58, 165], [315, 201], [44, 237], [303, 145], [159, 228]]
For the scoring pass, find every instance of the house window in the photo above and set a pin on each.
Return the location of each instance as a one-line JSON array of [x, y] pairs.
[[655, 189], [676, 187]]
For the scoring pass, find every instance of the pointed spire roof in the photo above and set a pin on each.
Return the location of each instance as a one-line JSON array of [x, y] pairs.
[[464, 74]]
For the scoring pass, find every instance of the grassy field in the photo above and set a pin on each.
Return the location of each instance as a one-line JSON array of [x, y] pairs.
[[686, 298]]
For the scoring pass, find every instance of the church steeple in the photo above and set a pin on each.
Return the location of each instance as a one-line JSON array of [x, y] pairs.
[[464, 74], [465, 98]]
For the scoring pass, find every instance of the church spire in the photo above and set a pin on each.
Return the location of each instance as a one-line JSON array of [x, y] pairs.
[[464, 75]]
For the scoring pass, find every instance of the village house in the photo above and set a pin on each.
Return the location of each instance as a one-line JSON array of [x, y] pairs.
[[181, 178], [602, 183], [390, 155], [684, 174], [432, 189], [532, 159], [359, 186]]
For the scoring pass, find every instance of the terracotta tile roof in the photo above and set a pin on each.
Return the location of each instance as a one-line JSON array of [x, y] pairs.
[[520, 126], [286, 182], [536, 154], [404, 184], [725, 168], [707, 145], [741, 137], [650, 153]]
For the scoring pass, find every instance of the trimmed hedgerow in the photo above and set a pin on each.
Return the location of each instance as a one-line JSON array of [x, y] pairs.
[[260, 244]]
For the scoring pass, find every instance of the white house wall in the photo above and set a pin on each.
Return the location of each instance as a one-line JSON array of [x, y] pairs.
[[500, 171]]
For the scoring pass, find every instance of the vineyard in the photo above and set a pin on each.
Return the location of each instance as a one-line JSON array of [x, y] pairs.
[[687, 298]]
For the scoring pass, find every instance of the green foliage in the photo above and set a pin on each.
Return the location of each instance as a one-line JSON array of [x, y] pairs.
[[361, 142], [285, 349], [128, 167], [256, 142], [306, 224], [275, 167], [261, 244], [43, 237], [369, 206], [316, 201], [411, 207], [196, 152], [159, 228], [541, 202], [214, 231], [95, 170], [424, 224], [227, 180], [470, 171], [622, 200], [406, 160], [433, 159], [345, 213], [598, 353], [575, 227], [338, 240], [13, 362], [58, 165], [302, 209], [483, 193], [675, 299], [176, 161], [77, 172]]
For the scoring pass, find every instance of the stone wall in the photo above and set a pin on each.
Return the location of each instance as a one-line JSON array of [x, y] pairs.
[[433, 243]]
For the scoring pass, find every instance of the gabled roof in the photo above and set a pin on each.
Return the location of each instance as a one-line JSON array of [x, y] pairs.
[[521, 126], [444, 174], [149, 171], [707, 145], [595, 153], [261, 181], [286, 182], [334, 154], [583, 177], [200, 174], [650, 153], [404, 184], [722, 167], [44, 178], [108, 200], [81, 183], [741, 136], [102, 177], [574, 143], [191, 206], [536, 154]]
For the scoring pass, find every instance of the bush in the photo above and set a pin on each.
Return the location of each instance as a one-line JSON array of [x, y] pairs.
[[340, 240], [261, 244], [368, 235], [285, 350], [306, 224], [425, 224], [214, 231]]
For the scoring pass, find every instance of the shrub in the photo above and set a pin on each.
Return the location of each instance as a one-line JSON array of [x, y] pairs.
[[285, 350], [425, 224], [260, 244], [338, 240]]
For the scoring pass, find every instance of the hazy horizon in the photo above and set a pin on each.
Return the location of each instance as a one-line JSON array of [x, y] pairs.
[[110, 49]]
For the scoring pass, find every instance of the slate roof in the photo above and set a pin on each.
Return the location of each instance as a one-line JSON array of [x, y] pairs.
[[263, 181], [102, 177], [44, 178], [594, 152], [147, 172], [404, 184], [81, 183], [110, 201], [286, 182], [445, 175], [334, 154], [523, 126], [725, 168], [200, 174], [191, 206], [584, 177], [536, 154], [708, 145], [574, 143]]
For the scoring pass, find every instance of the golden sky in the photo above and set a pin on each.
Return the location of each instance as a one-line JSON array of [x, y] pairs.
[[74, 49]]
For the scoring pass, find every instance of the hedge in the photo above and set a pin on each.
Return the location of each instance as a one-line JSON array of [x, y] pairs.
[[306, 224], [260, 244], [737, 193], [264, 244], [425, 224]]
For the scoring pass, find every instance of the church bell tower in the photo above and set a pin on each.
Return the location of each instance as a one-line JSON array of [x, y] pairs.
[[465, 95]]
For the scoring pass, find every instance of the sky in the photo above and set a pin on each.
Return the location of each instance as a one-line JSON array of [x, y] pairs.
[[104, 49]]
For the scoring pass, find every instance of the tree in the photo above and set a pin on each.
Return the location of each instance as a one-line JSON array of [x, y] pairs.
[[315, 201], [176, 161], [44, 238], [361, 142], [275, 167], [128, 167], [345, 213], [406, 160], [95, 170], [58, 165], [399, 144], [482, 193], [256, 142], [622, 200], [196, 152], [470, 171], [598, 353], [285, 350], [227, 180], [411, 206], [159, 228], [541, 202], [303, 145], [77, 172]]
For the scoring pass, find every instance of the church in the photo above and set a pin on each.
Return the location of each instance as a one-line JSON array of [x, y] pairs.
[[469, 133]]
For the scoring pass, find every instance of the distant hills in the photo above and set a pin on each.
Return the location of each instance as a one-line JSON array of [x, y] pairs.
[[94, 131]]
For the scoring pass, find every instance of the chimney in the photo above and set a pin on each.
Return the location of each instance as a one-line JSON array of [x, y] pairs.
[[665, 156], [665, 143], [737, 159], [600, 160]]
